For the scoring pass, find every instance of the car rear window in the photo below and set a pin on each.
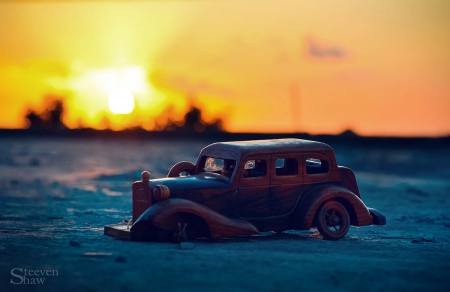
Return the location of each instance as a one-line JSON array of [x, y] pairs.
[[316, 166]]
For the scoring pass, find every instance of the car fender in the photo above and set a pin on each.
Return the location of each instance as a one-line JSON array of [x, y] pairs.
[[304, 217], [219, 225]]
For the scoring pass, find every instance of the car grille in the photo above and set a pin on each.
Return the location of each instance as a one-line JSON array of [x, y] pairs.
[[142, 200]]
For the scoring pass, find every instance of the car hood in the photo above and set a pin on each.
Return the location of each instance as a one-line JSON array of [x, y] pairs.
[[198, 181]]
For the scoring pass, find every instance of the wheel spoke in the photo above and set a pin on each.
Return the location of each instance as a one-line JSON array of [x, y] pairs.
[[334, 220]]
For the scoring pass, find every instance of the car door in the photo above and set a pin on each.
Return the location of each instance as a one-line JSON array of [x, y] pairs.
[[316, 170], [285, 183], [253, 188]]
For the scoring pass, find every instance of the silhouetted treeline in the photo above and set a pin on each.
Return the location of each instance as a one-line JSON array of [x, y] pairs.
[[193, 122], [49, 123], [49, 120]]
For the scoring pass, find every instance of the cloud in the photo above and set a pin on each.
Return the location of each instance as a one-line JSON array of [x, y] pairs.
[[319, 50]]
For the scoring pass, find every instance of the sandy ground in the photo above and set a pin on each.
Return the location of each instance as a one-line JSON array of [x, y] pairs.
[[56, 196]]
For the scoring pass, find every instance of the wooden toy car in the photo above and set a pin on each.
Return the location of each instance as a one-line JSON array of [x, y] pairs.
[[246, 187]]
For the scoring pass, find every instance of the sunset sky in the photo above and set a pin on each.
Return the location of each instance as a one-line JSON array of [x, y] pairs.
[[376, 67]]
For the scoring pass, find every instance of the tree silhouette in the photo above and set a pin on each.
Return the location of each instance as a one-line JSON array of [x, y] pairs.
[[35, 122], [193, 123], [50, 119]]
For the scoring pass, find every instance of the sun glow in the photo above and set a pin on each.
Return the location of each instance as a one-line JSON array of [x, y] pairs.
[[114, 98], [121, 101]]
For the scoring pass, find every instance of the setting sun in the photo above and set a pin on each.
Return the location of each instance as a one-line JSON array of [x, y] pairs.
[[106, 97], [121, 102]]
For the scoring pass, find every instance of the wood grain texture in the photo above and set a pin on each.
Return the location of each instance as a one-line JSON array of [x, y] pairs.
[[284, 196]]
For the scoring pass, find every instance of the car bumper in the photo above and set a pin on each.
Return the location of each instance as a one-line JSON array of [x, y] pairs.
[[377, 217], [122, 231]]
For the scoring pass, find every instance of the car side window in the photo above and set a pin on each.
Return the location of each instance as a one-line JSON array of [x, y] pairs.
[[316, 166], [255, 168], [286, 166]]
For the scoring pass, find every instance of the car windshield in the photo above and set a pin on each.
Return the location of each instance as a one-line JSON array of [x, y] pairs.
[[220, 166]]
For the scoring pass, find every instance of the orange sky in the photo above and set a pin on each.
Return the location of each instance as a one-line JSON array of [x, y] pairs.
[[377, 67]]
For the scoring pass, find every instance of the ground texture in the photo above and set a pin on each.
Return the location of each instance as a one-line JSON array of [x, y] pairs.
[[57, 194]]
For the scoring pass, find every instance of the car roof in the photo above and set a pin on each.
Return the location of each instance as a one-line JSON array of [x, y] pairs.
[[237, 149]]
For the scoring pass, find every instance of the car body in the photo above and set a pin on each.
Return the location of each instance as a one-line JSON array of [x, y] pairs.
[[247, 187]]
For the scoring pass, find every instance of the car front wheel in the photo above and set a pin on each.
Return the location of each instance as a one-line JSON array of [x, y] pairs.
[[332, 220]]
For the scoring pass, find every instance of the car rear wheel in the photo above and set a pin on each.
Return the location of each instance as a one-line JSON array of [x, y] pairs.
[[332, 220], [183, 168]]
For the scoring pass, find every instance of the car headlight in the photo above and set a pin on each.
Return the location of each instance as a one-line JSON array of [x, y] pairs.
[[161, 192]]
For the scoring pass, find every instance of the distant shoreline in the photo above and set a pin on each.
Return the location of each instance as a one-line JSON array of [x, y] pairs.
[[344, 138]]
